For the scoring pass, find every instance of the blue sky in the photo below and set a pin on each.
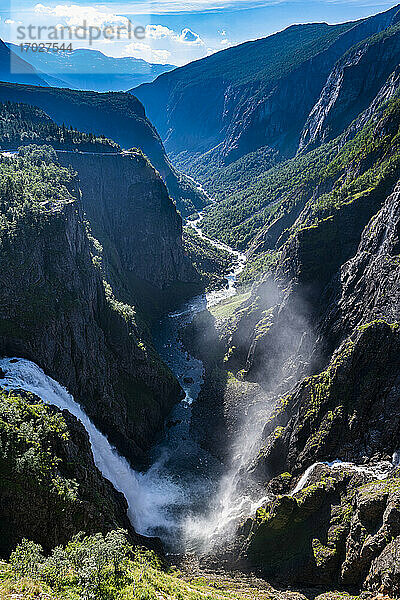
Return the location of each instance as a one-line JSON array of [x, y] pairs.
[[178, 31]]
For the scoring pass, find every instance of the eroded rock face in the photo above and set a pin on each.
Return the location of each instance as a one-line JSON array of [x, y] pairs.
[[348, 411], [135, 221], [369, 284], [55, 312], [340, 529], [351, 87]]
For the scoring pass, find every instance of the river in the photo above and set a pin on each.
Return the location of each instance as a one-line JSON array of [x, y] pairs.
[[178, 458]]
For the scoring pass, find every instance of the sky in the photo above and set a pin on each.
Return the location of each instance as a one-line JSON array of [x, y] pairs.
[[169, 31]]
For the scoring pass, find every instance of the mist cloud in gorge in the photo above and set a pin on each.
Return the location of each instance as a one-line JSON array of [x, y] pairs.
[[274, 335]]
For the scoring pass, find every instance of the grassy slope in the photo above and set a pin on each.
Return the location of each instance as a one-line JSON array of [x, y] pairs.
[[142, 578]]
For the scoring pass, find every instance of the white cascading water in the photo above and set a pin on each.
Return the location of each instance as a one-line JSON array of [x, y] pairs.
[[146, 495], [379, 471]]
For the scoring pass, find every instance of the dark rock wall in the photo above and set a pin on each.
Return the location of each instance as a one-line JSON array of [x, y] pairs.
[[132, 216], [55, 313]]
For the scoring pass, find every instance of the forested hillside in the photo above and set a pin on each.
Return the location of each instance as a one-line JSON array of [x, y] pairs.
[[22, 124]]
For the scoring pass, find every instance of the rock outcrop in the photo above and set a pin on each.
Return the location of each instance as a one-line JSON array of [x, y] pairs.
[[136, 223], [50, 488], [341, 529]]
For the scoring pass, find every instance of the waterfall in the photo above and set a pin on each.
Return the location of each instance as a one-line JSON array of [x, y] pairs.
[[146, 493], [379, 471]]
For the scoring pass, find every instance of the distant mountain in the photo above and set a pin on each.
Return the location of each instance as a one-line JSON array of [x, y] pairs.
[[244, 109], [16, 70], [91, 69]]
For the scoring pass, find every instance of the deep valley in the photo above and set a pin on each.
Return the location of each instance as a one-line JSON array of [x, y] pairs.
[[200, 326]]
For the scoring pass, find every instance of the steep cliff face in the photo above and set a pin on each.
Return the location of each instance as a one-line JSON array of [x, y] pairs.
[[255, 98], [263, 119], [243, 85], [342, 528], [50, 488], [58, 312], [352, 86], [135, 221]]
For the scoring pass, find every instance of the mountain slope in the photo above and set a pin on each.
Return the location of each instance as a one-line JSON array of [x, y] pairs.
[[255, 99], [16, 70], [352, 86], [58, 307], [87, 69], [258, 216]]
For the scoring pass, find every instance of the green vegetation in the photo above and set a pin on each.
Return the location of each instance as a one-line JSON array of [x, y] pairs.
[[307, 190], [239, 218], [29, 434], [223, 181], [22, 124], [99, 567], [49, 486], [224, 310], [118, 116], [31, 187], [212, 263]]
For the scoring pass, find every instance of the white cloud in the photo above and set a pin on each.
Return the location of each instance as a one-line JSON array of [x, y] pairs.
[[164, 7], [158, 32], [75, 15], [142, 50], [187, 36], [12, 22], [225, 42]]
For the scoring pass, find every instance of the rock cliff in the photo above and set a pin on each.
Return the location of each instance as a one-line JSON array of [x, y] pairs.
[[50, 488], [136, 223], [116, 115], [58, 311]]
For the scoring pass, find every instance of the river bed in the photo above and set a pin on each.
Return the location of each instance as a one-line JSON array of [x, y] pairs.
[[178, 458]]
